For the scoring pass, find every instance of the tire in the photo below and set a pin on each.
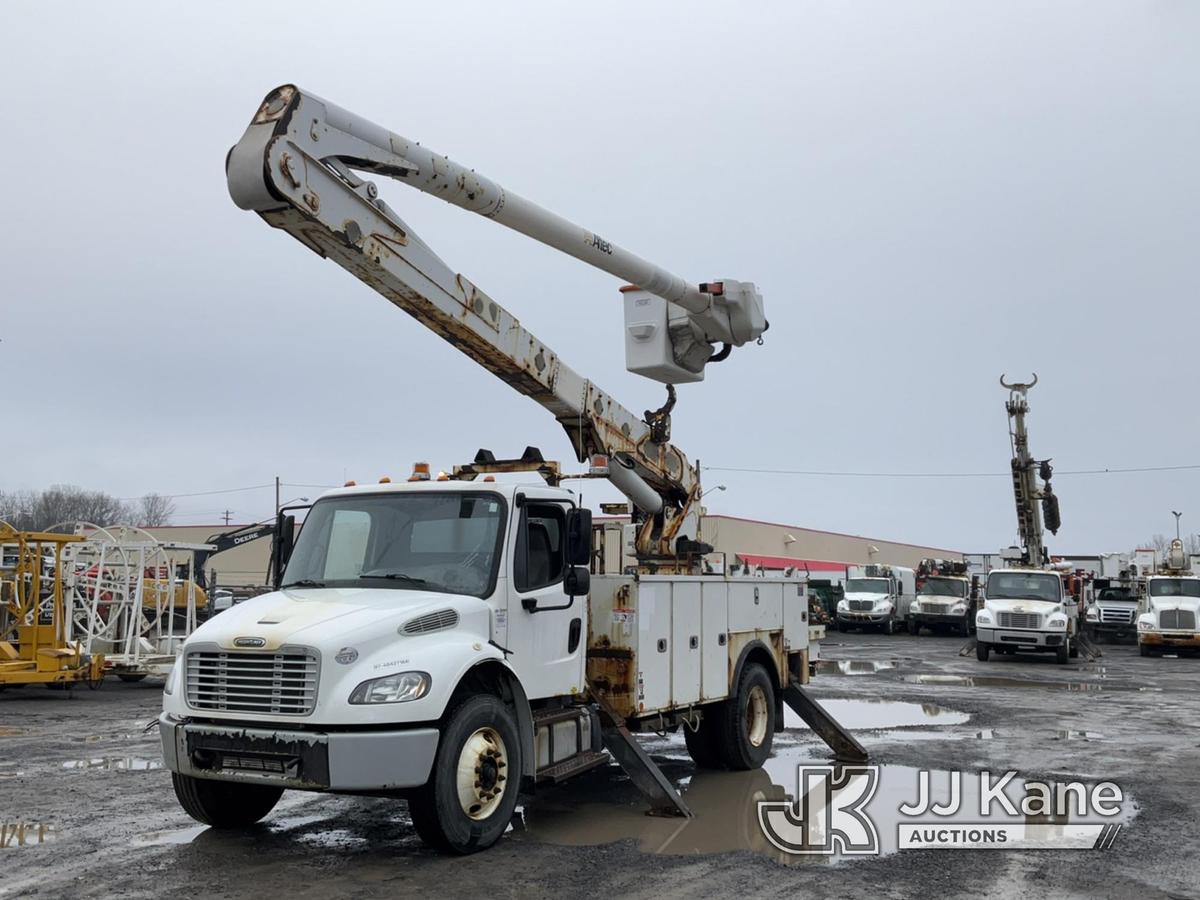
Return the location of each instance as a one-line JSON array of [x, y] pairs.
[[1062, 655], [982, 650], [913, 628], [702, 744], [480, 734], [1143, 649], [131, 677], [224, 804], [964, 630], [745, 723], [1073, 650]]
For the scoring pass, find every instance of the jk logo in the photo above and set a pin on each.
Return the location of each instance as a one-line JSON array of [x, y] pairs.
[[828, 815]]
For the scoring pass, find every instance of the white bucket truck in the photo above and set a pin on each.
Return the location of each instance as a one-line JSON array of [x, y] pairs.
[[1172, 606], [442, 640], [876, 596]]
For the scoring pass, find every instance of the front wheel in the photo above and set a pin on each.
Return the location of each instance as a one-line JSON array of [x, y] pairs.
[[982, 650], [1143, 649], [1074, 649], [472, 791], [224, 804], [1062, 655]]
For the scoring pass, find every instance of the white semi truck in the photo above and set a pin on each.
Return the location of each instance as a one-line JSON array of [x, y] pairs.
[[443, 640], [1172, 606], [1027, 608], [876, 596]]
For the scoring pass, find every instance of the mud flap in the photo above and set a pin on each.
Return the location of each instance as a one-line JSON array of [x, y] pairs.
[[646, 776], [845, 746], [968, 649]]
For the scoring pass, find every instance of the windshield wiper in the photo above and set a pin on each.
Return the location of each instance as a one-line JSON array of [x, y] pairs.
[[396, 576], [304, 582]]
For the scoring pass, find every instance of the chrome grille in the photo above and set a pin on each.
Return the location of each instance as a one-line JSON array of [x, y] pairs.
[[1181, 619], [283, 683], [434, 621], [1018, 620], [937, 609], [862, 605], [1116, 616]]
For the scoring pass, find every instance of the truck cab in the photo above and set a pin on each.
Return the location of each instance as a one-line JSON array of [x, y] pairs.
[[1026, 610], [876, 596], [944, 598], [1171, 611]]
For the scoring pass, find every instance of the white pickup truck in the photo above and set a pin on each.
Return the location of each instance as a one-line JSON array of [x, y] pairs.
[[440, 641], [1027, 611]]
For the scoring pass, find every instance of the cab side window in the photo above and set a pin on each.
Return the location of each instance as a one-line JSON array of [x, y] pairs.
[[539, 554]]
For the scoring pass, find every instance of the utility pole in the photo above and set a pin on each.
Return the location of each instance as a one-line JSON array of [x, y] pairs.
[[227, 514], [276, 495]]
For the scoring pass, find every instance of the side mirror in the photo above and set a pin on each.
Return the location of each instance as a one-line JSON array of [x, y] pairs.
[[579, 539], [282, 544], [578, 581]]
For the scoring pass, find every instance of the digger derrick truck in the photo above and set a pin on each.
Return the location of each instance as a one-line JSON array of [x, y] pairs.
[[443, 639], [1027, 608], [1172, 606], [945, 597]]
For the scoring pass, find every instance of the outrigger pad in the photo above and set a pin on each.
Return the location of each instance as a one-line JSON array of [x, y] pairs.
[[844, 745], [968, 648]]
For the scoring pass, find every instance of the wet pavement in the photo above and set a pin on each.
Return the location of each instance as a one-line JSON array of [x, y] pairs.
[[87, 811]]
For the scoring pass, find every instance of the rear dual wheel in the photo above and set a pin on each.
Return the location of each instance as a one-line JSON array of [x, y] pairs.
[[737, 733]]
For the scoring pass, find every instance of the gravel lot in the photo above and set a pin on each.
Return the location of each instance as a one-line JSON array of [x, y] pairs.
[[83, 766]]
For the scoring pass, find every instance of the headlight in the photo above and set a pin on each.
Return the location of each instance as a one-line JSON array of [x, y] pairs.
[[843, 605], [1056, 622], [173, 676], [914, 607], [958, 609], [399, 688], [1091, 615], [883, 605], [1143, 625], [983, 617]]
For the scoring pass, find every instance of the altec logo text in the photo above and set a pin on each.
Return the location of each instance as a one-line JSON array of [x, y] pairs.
[[841, 809]]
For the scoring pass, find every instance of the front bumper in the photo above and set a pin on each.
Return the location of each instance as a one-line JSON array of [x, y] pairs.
[[1187, 639], [1020, 639], [302, 760], [863, 618], [937, 618]]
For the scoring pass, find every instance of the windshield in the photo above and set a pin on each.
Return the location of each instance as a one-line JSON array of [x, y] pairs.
[[942, 587], [866, 586], [1175, 587], [1024, 586], [410, 541]]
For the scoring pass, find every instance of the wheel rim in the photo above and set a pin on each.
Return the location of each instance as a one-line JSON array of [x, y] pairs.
[[482, 778], [756, 716]]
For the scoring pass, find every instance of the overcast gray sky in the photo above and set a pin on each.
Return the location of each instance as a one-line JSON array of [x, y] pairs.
[[928, 195]]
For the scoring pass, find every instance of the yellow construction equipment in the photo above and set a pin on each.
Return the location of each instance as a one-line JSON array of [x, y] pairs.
[[34, 623]]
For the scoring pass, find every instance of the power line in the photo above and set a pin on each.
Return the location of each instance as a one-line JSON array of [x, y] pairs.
[[253, 487], [1057, 472]]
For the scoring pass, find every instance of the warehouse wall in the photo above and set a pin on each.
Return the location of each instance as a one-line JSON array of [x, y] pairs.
[[730, 535]]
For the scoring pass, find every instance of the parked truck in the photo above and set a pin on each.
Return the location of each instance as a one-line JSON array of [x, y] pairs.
[[445, 639], [876, 597], [1114, 597], [1172, 606], [1027, 608], [946, 598]]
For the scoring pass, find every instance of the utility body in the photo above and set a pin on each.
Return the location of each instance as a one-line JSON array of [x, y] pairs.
[[453, 640]]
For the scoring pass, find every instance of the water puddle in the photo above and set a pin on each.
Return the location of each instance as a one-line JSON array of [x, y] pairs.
[[727, 814], [167, 838], [853, 666], [115, 764], [24, 834], [1003, 682], [876, 714]]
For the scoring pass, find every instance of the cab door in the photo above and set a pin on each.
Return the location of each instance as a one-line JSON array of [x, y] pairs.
[[546, 628]]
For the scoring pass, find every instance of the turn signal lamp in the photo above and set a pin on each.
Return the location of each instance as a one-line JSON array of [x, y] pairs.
[[350, 484], [420, 472], [489, 478], [442, 476], [386, 479], [598, 464]]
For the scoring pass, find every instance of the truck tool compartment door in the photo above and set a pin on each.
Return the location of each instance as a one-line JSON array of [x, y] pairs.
[[546, 628]]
